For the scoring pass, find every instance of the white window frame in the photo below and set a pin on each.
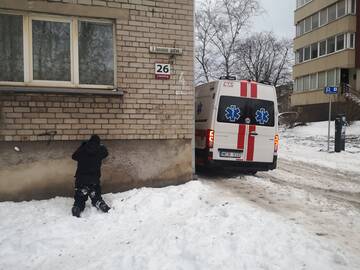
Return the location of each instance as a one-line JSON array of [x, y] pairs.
[[74, 67], [31, 55], [336, 4]]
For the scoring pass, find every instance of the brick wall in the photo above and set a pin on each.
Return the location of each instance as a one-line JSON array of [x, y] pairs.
[[149, 109]]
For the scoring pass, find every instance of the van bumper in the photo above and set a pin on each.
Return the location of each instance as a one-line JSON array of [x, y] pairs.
[[202, 160]]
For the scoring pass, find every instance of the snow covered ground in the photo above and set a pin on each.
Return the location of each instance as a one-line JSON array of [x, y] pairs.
[[304, 215], [309, 144]]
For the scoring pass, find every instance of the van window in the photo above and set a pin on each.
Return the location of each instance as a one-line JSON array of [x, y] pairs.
[[237, 110]]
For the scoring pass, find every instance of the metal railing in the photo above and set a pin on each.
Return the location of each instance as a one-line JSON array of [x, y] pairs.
[[350, 93]]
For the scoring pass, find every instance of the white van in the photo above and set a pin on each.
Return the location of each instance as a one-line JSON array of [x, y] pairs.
[[236, 125]]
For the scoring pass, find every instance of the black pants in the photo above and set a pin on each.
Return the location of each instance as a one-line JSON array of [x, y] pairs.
[[82, 192]]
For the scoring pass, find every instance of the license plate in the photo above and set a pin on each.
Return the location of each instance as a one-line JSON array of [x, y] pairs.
[[230, 154]]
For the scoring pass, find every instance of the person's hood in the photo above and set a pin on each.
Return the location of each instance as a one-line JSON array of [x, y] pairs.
[[92, 147]]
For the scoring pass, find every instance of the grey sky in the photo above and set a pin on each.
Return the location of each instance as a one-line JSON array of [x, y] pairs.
[[278, 17]]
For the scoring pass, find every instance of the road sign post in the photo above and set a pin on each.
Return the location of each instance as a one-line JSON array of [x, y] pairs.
[[330, 90]]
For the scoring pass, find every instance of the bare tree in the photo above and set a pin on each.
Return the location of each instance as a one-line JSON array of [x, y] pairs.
[[204, 48], [264, 58], [234, 15], [218, 29]]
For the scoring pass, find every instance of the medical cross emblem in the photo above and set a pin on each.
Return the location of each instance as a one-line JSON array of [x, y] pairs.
[[232, 113], [262, 116]]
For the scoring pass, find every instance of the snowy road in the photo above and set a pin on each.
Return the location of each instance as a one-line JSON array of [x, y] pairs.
[[324, 201]]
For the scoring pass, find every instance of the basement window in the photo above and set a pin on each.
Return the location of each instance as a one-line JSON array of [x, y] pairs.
[[57, 51]]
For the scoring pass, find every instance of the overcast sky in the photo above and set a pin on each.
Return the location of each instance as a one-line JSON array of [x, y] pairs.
[[278, 17]]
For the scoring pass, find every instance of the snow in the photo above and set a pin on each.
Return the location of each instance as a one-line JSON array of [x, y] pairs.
[[193, 226], [304, 215], [309, 144]]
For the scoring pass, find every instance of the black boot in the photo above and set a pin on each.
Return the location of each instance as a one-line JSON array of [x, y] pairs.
[[76, 211], [102, 206]]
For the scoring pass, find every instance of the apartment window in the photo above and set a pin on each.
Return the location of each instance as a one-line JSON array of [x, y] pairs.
[[302, 27], [322, 79], [330, 78], [11, 48], [313, 81], [341, 8], [332, 13], [331, 45], [338, 76], [351, 6], [323, 17], [351, 41], [306, 53], [315, 21], [96, 57], [51, 57], [314, 50], [300, 3], [322, 49], [62, 51], [307, 24], [301, 55], [340, 42], [306, 83], [300, 84]]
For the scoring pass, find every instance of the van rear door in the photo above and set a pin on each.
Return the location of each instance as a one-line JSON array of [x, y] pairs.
[[244, 129]]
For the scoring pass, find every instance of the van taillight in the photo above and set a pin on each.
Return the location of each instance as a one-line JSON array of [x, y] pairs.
[[276, 143], [210, 138]]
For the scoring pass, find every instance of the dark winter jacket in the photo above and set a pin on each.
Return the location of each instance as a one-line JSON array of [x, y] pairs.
[[89, 157]]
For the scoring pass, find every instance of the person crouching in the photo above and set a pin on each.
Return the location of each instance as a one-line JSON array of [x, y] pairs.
[[89, 157]]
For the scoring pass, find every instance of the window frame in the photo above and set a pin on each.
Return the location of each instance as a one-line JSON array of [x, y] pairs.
[[74, 51], [326, 12]]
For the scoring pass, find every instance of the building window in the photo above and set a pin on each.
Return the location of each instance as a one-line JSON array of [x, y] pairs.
[[340, 42], [11, 48], [332, 13], [300, 84], [307, 24], [314, 50], [300, 3], [352, 6], [351, 41], [313, 81], [322, 50], [306, 83], [330, 78], [322, 79], [307, 53], [341, 8], [323, 17], [326, 15], [62, 51], [330, 45], [96, 57], [301, 55], [302, 27], [51, 57], [315, 21]]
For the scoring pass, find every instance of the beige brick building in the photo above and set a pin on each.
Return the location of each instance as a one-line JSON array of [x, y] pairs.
[[327, 54], [71, 68]]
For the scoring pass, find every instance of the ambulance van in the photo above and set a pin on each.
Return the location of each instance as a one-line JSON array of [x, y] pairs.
[[236, 125]]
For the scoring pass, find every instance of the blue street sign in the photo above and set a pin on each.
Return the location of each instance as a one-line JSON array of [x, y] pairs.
[[331, 90]]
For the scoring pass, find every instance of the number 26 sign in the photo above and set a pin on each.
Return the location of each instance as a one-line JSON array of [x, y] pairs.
[[162, 71]]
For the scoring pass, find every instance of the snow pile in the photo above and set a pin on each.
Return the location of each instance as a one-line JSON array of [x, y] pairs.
[[193, 226], [309, 144]]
